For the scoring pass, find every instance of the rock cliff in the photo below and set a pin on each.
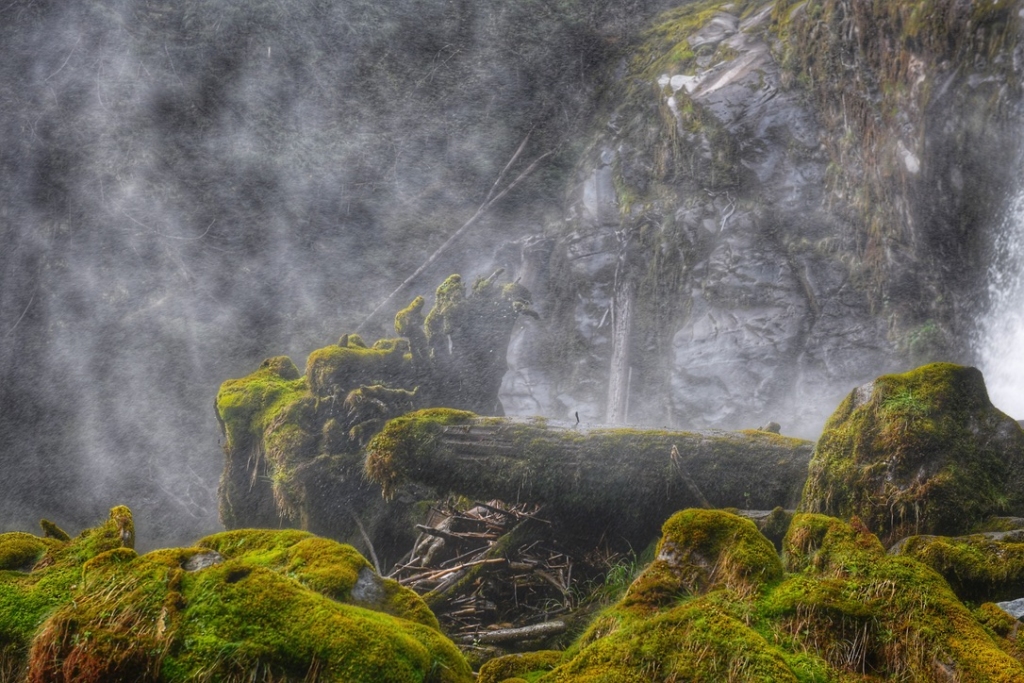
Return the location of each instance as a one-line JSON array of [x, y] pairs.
[[777, 200]]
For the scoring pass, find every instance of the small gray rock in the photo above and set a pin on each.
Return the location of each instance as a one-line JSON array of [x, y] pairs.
[[368, 590], [201, 561]]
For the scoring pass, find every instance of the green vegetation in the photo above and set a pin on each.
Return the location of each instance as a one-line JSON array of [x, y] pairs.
[[716, 606], [294, 442], [266, 605], [920, 452], [977, 568]]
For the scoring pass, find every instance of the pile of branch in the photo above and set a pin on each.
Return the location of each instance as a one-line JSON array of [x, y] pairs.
[[490, 574]]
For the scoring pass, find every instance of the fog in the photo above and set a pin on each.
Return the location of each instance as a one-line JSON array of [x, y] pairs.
[[187, 188]]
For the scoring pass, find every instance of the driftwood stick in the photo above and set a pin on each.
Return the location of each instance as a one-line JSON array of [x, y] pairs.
[[480, 212], [507, 635]]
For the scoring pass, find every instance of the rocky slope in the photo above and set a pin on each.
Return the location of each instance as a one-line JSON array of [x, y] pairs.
[[778, 200]]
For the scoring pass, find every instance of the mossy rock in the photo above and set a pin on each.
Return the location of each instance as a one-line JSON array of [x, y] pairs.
[[262, 605], [924, 452], [700, 551], [867, 612], [977, 567], [509, 667], [843, 611], [335, 370]]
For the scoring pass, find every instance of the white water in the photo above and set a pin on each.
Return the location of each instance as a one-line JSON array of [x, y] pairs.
[[1000, 342]]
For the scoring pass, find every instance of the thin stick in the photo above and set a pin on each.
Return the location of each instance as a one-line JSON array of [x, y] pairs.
[[484, 208], [369, 544]]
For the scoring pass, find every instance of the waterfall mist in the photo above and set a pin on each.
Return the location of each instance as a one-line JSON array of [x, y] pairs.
[[1000, 337], [188, 188]]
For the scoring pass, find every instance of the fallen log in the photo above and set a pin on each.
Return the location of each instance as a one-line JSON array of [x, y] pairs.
[[623, 482]]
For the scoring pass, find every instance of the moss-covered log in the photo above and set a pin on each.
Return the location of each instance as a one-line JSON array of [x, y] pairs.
[[622, 481]]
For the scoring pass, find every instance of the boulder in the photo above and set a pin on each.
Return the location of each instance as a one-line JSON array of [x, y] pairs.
[[924, 452], [239, 605], [977, 567], [718, 604]]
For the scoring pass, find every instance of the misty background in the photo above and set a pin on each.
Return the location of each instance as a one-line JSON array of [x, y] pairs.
[[189, 187]]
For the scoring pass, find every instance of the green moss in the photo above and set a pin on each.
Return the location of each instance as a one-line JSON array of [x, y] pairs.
[[501, 669], [844, 611], [280, 605], [247, 406], [402, 438], [327, 567], [335, 370], [27, 598], [51, 530], [977, 568], [20, 551], [447, 299], [860, 609], [702, 550], [923, 452]]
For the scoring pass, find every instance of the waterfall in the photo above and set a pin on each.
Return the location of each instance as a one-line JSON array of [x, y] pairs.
[[1000, 341]]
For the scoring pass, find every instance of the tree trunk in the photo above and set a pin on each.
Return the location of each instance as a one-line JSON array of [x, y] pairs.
[[621, 482]]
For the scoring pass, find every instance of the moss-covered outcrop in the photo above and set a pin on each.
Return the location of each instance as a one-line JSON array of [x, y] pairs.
[[293, 441], [979, 568], [923, 452], [718, 604], [618, 482], [240, 605]]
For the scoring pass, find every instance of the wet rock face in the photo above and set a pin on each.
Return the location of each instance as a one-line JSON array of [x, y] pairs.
[[705, 194], [769, 212]]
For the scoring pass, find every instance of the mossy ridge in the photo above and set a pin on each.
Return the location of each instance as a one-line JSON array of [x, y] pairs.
[[864, 611], [688, 615], [924, 452], [330, 568], [501, 669], [843, 611], [96, 611], [700, 551], [978, 569]]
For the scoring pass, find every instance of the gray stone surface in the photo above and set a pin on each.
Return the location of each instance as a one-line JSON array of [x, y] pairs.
[[1015, 608]]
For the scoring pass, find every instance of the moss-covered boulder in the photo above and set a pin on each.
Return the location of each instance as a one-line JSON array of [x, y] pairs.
[[719, 605], [293, 441], [979, 568], [919, 452], [240, 605]]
